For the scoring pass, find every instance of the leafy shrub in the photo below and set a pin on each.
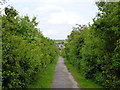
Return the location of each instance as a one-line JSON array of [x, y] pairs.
[[95, 50], [26, 52]]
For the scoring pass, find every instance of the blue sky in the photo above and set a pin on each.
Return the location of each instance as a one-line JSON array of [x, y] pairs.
[[57, 17]]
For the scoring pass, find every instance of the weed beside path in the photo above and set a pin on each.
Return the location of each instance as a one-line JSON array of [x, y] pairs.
[[44, 80], [82, 82]]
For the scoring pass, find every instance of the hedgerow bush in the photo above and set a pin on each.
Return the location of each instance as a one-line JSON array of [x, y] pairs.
[[95, 49], [25, 51]]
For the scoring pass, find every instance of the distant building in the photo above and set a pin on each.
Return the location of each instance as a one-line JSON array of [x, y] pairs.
[[60, 46]]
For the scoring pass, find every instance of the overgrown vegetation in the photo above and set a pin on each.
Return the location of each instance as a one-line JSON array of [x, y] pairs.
[[81, 80], [95, 49], [25, 51], [45, 79]]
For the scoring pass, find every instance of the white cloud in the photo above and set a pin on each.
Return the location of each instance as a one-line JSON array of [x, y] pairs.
[[2, 7], [53, 1], [63, 1], [50, 32], [73, 19], [59, 33], [48, 8], [56, 20], [66, 1], [25, 10], [66, 18]]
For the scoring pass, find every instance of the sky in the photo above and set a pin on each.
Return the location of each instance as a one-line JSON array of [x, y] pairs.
[[57, 17]]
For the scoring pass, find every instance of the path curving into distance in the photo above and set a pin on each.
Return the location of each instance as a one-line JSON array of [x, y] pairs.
[[62, 77]]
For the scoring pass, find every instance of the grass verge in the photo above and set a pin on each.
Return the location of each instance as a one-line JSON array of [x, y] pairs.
[[82, 82], [44, 80]]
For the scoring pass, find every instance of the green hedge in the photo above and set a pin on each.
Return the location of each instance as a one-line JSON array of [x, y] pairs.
[[25, 51], [95, 49]]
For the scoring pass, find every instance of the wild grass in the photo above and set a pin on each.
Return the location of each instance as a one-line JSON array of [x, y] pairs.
[[44, 79], [82, 81]]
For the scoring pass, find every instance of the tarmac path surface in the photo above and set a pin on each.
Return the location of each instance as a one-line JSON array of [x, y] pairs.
[[62, 77]]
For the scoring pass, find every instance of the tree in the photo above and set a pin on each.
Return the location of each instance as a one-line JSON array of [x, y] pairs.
[[10, 12]]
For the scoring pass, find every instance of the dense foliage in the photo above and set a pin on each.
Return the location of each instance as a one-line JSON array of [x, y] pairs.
[[25, 51], [95, 49], [0, 53]]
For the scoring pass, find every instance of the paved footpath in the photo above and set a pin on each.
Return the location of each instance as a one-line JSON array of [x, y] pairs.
[[62, 77]]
